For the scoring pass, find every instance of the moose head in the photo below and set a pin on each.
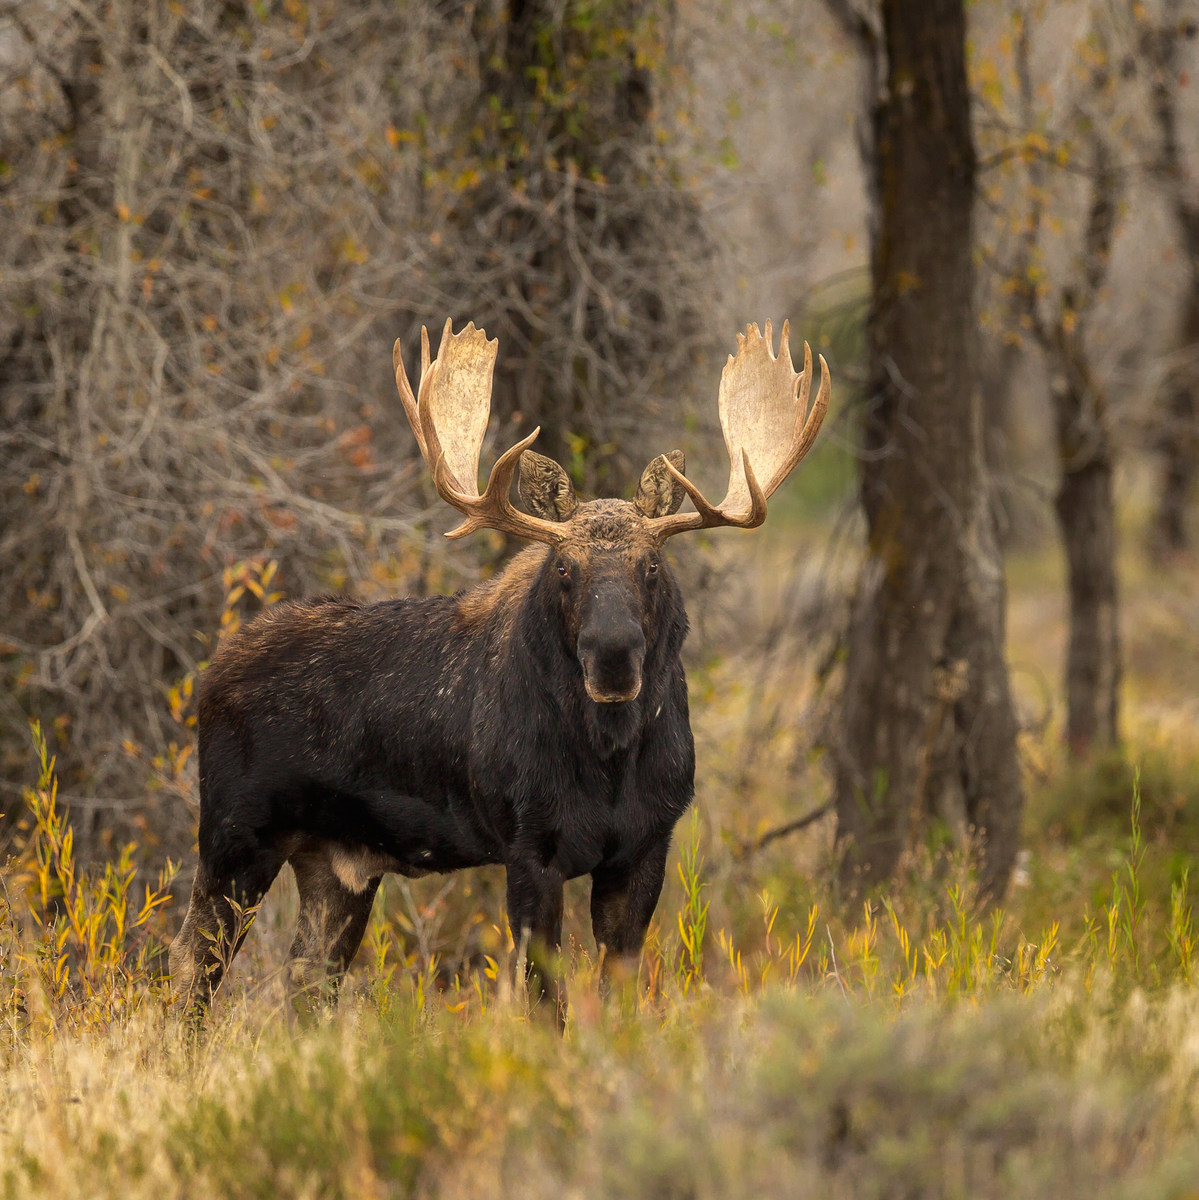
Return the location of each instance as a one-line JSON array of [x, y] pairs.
[[606, 554]]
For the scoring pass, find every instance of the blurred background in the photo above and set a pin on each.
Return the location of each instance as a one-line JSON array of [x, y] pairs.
[[217, 217]]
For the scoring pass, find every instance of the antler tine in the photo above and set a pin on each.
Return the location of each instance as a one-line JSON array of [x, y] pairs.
[[708, 515], [435, 452], [811, 428], [449, 418], [408, 400], [807, 423], [765, 417], [493, 509]]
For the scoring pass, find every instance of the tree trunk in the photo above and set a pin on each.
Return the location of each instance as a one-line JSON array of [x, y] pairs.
[[1085, 502], [1086, 516], [1086, 509], [928, 726], [1180, 435]]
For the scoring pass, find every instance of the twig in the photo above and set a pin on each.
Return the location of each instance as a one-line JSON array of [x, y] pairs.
[[85, 576], [795, 826]]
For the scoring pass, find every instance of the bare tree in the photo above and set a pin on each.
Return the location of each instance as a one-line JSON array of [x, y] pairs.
[[185, 381], [927, 726]]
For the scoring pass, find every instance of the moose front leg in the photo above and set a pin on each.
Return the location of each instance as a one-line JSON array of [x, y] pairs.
[[622, 904], [535, 915]]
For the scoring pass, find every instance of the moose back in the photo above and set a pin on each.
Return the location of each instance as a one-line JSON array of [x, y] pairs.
[[538, 720]]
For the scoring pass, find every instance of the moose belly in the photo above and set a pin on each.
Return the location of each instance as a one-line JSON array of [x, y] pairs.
[[374, 831], [356, 866]]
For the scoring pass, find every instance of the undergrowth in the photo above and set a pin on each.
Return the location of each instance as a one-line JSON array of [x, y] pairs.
[[771, 1044]]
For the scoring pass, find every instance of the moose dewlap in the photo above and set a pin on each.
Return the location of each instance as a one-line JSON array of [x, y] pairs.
[[538, 720]]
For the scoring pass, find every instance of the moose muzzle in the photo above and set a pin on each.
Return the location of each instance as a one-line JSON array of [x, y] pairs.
[[611, 651]]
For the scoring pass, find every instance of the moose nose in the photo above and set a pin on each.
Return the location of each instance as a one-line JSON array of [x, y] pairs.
[[611, 659]]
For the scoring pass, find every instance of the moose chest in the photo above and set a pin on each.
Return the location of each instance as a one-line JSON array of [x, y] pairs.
[[603, 817], [555, 797]]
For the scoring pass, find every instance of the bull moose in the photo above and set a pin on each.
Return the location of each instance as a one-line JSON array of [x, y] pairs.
[[538, 720]]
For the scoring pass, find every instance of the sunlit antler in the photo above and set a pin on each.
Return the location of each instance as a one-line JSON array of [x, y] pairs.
[[449, 418], [767, 430]]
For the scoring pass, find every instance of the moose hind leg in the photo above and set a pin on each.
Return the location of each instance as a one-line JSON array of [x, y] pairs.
[[335, 906], [215, 925]]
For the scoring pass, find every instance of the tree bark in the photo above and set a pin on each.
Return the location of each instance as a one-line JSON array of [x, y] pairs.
[[927, 725]]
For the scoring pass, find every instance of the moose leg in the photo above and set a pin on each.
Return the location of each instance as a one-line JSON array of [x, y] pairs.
[[217, 920], [333, 918], [622, 904], [535, 915]]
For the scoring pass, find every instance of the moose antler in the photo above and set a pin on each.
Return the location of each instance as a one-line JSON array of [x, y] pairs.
[[449, 418], [767, 430]]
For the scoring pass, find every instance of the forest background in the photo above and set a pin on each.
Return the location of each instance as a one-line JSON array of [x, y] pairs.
[[216, 219]]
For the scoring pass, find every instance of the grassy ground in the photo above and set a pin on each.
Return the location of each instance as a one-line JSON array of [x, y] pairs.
[[774, 1045]]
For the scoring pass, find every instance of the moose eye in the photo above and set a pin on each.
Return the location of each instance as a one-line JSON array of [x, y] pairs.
[[653, 566], [564, 571]]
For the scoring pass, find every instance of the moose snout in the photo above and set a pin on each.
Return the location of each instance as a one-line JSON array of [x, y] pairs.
[[611, 659]]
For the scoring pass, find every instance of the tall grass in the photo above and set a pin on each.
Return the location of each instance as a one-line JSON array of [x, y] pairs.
[[76, 945], [917, 1046]]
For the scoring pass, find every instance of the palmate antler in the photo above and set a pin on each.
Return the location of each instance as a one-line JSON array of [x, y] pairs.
[[767, 430], [449, 418], [764, 414]]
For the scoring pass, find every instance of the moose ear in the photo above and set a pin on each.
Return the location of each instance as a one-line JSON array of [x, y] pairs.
[[546, 488], [659, 493]]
